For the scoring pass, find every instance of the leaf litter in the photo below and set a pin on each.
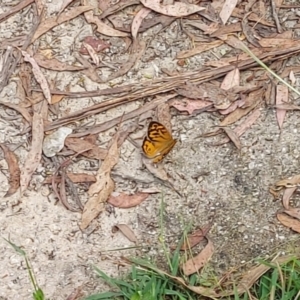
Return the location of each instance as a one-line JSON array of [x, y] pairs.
[[196, 92]]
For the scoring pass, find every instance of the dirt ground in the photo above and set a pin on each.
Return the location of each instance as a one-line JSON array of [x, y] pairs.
[[217, 184]]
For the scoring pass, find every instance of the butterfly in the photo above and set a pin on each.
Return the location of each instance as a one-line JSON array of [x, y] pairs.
[[158, 142]]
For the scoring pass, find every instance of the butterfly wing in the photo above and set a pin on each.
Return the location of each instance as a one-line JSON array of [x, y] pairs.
[[158, 142]]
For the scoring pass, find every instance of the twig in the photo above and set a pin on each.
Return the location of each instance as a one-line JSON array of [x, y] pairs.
[[275, 16]]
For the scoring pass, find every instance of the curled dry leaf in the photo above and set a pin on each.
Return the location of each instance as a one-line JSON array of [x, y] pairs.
[[13, 169], [289, 222], [35, 153], [196, 237], [293, 212], [102, 188], [288, 182], [196, 263], [127, 232], [287, 194], [178, 9], [138, 19], [97, 44], [282, 96], [38, 75], [123, 200]]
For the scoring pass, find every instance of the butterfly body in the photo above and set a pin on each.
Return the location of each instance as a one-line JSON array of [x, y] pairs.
[[158, 142]]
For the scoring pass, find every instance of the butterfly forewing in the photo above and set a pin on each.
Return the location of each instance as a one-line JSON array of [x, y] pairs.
[[158, 133], [158, 142]]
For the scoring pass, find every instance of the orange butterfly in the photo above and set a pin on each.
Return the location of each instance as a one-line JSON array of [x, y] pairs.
[[158, 142]]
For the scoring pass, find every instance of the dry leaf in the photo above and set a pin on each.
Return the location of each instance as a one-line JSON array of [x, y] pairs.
[[194, 264], [102, 188], [13, 169], [138, 19], [289, 222], [23, 111], [199, 49], [127, 232], [38, 75], [78, 144], [54, 64], [74, 177], [34, 156], [195, 238], [231, 80], [123, 200], [190, 106], [293, 212], [233, 137], [51, 22], [163, 115], [282, 96], [97, 44], [227, 10], [102, 27], [287, 194], [289, 182], [178, 9]]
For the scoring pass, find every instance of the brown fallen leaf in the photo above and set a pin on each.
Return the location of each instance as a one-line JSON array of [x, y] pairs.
[[231, 80], [233, 137], [232, 107], [101, 26], [51, 22], [178, 9], [74, 177], [54, 64], [78, 144], [293, 212], [196, 237], [241, 129], [137, 50], [38, 75], [13, 169], [240, 112], [282, 96], [227, 10], [289, 182], [287, 194], [249, 32], [199, 49], [35, 153], [196, 263], [138, 19], [163, 115], [127, 232], [123, 200], [23, 111], [97, 44], [102, 188], [190, 105], [289, 222]]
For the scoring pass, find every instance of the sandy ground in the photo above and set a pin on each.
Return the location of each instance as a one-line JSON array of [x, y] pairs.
[[218, 184]]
